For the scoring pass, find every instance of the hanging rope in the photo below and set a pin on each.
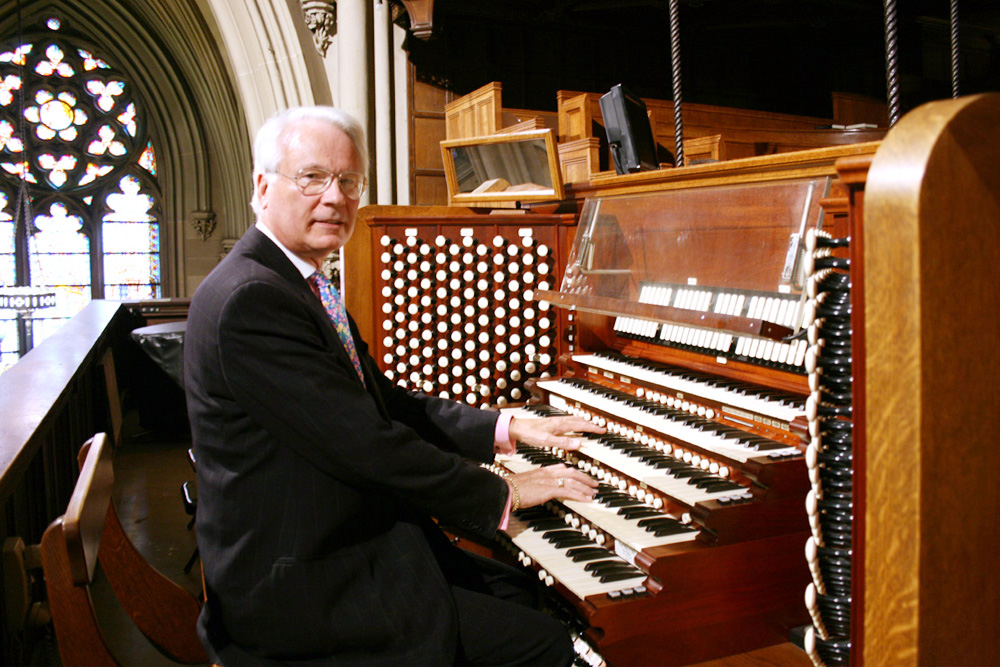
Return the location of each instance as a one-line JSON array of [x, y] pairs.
[[891, 72], [675, 66], [954, 48], [22, 207]]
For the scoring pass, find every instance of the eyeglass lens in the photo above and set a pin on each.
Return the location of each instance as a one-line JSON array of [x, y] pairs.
[[315, 182]]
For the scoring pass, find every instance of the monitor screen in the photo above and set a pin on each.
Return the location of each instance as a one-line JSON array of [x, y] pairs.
[[630, 136]]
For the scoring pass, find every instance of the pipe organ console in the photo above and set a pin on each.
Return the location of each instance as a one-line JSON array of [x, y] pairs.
[[686, 312], [734, 328], [455, 310]]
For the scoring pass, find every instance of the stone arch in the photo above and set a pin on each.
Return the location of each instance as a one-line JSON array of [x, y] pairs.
[[170, 52]]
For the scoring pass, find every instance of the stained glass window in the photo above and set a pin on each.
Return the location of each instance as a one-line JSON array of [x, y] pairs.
[[72, 129]]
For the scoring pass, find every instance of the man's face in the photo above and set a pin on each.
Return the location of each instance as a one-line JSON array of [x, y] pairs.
[[310, 226]]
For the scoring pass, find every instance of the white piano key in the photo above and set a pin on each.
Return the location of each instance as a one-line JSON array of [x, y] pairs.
[[554, 562], [764, 406], [708, 441]]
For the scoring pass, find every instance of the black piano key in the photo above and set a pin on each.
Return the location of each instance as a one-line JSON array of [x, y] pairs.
[[635, 512], [553, 535], [619, 576], [580, 554], [663, 531], [609, 565], [547, 524]]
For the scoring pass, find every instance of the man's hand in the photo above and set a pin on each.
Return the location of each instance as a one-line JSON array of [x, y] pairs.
[[556, 481], [551, 431]]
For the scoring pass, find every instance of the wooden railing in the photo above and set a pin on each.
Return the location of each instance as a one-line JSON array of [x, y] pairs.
[[51, 401]]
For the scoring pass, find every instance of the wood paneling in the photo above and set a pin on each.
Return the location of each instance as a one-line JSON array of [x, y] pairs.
[[429, 133], [474, 115]]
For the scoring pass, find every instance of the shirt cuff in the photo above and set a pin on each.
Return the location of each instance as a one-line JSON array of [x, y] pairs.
[[501, 436], [506, 510]]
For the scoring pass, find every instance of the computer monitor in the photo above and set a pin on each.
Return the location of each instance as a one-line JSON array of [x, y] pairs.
[[630, 135]]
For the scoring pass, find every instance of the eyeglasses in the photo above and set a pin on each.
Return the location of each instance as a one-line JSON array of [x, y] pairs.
[[316, 181]]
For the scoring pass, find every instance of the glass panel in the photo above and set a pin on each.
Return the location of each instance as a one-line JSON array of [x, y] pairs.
[[8, 340], [70, 299], [148, 159], [90, 62], [42, 328], [90, 132], [60, 256], [131, 269], [127, 119], [733, 236], [8, 139], [17, 55], [57, 167], [7, 274], [54, 64], [517, 166], [106, 143], [131, 292], [59, 232], [18, 169], [105, 92], [60, 269], [8, 85], [92, 173], [121, 237], [129, 204], [131, 244]]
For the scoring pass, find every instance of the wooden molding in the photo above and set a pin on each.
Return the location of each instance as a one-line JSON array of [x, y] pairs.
[[421, 14]]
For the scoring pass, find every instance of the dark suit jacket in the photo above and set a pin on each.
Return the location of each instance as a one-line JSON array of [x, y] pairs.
[[314, 491]]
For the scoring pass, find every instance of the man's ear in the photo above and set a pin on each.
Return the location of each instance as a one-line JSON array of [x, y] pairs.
[[260, 186]]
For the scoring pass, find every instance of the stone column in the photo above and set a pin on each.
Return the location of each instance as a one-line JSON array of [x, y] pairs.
[[353, 48], [401, 65], [384, 105]]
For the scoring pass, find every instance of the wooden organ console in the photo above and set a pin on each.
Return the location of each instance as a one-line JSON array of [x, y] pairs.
[[685, 308], [455, 311], [753, 334]]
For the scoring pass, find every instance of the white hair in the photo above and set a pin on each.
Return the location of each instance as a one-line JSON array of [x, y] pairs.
[[269, 145]]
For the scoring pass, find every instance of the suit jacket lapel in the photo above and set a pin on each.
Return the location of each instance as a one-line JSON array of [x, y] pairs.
[[271, 256]]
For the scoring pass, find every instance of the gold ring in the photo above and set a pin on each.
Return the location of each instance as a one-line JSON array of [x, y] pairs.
[[562, 481]]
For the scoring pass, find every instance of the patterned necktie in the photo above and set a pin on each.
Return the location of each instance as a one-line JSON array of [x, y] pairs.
[[334, 306]]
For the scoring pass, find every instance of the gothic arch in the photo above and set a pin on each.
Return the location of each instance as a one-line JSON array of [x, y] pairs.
[[169, 51]]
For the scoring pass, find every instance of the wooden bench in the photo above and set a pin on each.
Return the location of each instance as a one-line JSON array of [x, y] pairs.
[[89, 532]]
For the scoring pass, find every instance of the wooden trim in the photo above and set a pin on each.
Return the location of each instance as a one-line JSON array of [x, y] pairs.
[[474, 115], [421, 13], [61, 359], [932, 262], [799, 164]]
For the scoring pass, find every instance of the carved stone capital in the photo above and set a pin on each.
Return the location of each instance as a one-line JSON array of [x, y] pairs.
[[204, 223], [321, 19], [225, 246]]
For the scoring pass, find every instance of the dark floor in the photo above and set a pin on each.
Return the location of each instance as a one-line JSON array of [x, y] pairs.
[[149, 472]]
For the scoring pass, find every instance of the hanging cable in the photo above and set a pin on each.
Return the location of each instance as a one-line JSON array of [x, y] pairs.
[[22, 205], [954, 48], [891, 71], [675, 66]]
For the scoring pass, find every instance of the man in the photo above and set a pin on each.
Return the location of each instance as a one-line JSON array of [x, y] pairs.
[[317, 476]]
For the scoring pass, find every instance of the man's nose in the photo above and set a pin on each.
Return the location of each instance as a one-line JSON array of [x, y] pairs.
[[333, 195]]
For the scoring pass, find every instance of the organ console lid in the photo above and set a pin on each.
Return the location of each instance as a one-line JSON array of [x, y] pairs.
[[501, 170], [725, 258]]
